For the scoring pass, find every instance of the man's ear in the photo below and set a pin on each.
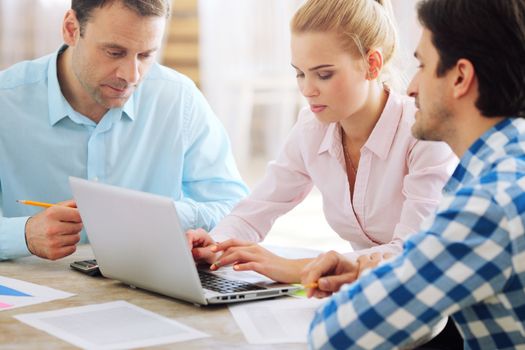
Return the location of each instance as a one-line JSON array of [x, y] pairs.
[[70, 28], [464, 78], [375, 64]]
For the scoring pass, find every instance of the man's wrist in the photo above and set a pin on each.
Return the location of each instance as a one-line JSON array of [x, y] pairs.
[[25, 236]]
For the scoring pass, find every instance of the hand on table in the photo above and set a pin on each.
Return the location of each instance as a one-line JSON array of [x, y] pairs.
[[54, 232]]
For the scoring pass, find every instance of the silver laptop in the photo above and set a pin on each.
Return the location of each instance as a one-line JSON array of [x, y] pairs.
[[137, 239]]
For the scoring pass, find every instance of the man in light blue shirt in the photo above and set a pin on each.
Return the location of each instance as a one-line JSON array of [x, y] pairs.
[[102, 109]]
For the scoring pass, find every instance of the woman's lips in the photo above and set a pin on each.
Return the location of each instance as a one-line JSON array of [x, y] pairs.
[[317, 108]]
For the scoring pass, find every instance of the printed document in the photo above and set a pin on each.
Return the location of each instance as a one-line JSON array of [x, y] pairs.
[[113, 325], [284, 320], [15, 293]]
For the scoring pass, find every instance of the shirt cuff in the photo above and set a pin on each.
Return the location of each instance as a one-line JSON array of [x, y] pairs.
[[13, 240], [187, 215]]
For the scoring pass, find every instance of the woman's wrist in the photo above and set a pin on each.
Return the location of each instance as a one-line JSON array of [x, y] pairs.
[[295, 267]]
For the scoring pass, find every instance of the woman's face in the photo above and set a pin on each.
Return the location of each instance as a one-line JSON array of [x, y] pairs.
[[333, 80]]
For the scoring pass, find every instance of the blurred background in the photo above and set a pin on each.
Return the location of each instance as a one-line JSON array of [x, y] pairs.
[[237, 52]]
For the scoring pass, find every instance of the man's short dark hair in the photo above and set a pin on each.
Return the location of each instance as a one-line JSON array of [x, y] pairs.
[[84, 8], [491, 35]]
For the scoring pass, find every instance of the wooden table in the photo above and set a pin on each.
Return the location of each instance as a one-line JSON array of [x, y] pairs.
[[214, 320]]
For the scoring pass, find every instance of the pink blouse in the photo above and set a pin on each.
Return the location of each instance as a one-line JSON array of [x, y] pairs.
[[399, 182]]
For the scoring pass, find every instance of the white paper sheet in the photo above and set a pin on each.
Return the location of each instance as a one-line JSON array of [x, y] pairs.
[[113, 325], [284, 320], [15, 293]]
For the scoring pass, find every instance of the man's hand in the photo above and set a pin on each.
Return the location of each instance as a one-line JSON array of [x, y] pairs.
[[54, 233], [331, 270], [200, 244]]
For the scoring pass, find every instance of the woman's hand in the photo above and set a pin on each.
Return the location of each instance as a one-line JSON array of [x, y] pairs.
[[369, 261], [248, 256]]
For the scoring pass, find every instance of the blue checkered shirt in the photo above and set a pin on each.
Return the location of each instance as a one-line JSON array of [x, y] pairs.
[[468, 262]]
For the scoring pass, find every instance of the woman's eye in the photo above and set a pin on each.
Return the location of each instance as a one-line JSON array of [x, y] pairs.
[[325, 76]]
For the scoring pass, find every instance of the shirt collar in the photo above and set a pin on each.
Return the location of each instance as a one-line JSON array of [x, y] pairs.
[[331, 138], [59, 108], [382, 136], [484, 150]]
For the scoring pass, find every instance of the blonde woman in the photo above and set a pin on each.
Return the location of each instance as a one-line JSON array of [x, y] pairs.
[[353, 143]]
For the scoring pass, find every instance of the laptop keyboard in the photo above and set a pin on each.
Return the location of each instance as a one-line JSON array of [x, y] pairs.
[[223, 285]]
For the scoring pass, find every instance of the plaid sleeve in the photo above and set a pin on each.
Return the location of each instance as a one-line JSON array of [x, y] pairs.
[[463, 257]]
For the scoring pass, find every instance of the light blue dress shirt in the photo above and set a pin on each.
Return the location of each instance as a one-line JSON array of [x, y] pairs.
[[165, 140]]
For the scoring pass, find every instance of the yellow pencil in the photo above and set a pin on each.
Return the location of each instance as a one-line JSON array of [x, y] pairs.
[[36, 204], [310, 285]]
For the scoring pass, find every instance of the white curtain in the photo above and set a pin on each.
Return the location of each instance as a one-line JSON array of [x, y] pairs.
[[409, 32], [245, 41], [29, 28], [245, 60]]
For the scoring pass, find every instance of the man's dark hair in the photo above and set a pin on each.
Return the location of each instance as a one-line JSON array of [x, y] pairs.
[[491, 35], [84, 8]]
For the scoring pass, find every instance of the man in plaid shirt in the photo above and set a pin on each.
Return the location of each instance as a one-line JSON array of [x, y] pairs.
[[468, 261]]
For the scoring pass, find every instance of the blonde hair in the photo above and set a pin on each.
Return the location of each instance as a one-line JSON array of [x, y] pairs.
[[361, 24]]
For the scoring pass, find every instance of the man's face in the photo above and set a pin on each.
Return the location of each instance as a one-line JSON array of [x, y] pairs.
[[115, 52], [433, 118]]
